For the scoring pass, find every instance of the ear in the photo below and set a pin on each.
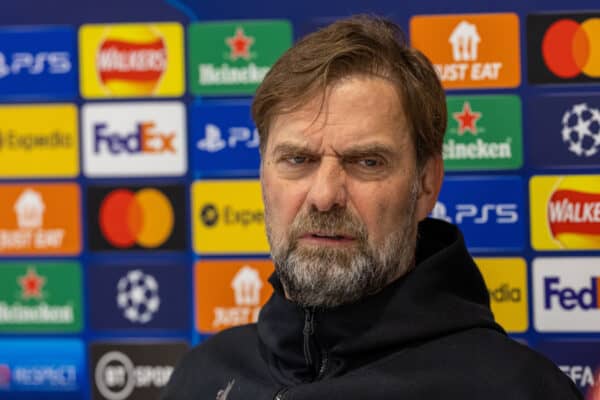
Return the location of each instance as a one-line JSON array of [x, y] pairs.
[[430, 183]]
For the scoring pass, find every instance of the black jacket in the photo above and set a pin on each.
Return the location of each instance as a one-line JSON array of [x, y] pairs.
[[428, 335]]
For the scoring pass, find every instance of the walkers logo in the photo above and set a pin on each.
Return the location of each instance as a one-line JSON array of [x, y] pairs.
[[39, 219], [230, 293], [138, 297], [39, 141], [139, 139], [506, 280], [228, 217], [53, 366], [134, 218], [565, 212], [568, 127], [566, 294], [563, 48], [490, 219], [37, 62], [132, 371], [40, 297], [234, 57], [221, 133], [131, 60], [470, 51], [484, 132], [580, 360]]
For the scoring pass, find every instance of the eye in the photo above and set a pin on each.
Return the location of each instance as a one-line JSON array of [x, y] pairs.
[[297, 160], [369, 162]]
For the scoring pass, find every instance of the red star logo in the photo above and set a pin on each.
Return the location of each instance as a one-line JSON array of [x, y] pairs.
[[239, 44], [31, 284], [467, 119]]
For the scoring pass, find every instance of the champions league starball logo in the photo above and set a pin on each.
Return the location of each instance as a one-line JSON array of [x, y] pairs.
[[581, 130], [138, 296]]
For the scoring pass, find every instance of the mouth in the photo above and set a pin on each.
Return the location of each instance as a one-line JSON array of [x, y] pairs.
[[331, 239]]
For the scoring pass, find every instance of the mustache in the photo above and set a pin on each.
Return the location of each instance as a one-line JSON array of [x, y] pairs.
[[337, 221]]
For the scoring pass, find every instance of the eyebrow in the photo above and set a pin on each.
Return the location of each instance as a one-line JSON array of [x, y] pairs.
[[353, 152]]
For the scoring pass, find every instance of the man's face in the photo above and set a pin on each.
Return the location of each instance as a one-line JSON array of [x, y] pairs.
[[342, 193]]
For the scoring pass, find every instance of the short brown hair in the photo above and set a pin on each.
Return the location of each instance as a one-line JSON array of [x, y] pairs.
[[365, 45]]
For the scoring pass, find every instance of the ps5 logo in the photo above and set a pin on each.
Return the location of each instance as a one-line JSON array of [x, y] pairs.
[[54, 62], [214, 142], [502, 213]]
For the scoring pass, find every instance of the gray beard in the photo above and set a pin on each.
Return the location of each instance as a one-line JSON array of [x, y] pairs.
[[326, 277]]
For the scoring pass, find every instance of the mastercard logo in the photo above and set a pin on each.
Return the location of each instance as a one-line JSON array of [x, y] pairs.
[[143, 217], [571, 48]]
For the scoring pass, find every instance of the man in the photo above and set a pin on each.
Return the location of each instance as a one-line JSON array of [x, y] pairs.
[[371, 300]]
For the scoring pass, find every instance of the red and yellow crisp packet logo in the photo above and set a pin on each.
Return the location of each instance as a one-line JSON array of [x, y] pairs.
[[565, 212], [230, 293], [131, 60]]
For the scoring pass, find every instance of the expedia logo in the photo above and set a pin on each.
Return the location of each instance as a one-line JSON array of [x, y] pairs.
[[230, 215], [570, 298], [506, 294], [137, 218], [145, 138], [209, 215], [136, 56]]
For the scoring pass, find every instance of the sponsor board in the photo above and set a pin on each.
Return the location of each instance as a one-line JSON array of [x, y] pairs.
[[38, 62], [40, 219], [138, 297], [579, 360], [506, 280], [220, 133], [134, 139], [563, 48], [484, 132], [54, 367], [230, 292], [39, 141], [228, 217], [137, 217], [233, 57], [565, 212], [131, 60], [132, 371], [490, 219], [568, 130], [566, 294], [40, 297], [470, 51]]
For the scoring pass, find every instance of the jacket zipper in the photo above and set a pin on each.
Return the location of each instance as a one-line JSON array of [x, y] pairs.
[[280, 395], [311, 348]]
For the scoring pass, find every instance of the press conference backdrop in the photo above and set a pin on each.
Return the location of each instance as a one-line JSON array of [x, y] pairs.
[[131, 223]]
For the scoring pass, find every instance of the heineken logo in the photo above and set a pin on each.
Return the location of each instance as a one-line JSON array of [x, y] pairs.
[[31, 284], [484, 132], [40, 298], [239, 44], [234, 57], [467, 119]]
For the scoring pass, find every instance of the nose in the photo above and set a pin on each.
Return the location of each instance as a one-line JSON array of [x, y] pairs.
[[328, 187]]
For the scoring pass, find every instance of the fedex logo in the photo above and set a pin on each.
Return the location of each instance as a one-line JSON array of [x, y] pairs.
[[145, 138], [566, 294], [134, 139], [53, 62], [569, 298]]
